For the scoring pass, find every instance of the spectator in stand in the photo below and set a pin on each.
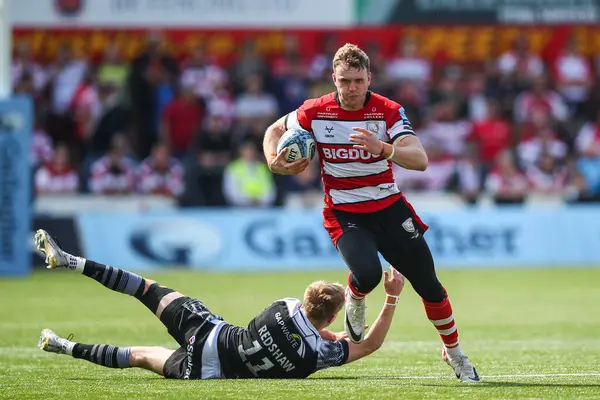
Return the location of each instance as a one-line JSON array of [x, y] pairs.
[[58, 176], [182, 118], [435, 178], [86, 106], [254, 102], [467, 178], [407, 65], [24, 66], [290, 58], [540, 139], [588, 164], [150, 74], [247, 181], [65, 76], [447, 90], [41, 150], [304, 190], [205, 168], [414, 102], [113, 119], [320, 65], [520, 62], [447, 130], [114, 173], [161, 174], [547, 175], [290, 84], [206, 77], [113, 70], [248, 63], [573, 77], [588, 138], [576, 187], [477, 100], [505, 182], [492, 135], [540, 98]]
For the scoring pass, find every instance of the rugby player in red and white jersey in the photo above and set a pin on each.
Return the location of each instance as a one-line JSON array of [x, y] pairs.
[[359, 134]]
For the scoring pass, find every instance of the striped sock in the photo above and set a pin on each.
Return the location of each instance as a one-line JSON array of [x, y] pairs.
[[115, 279], [103, 354], [440, 315]]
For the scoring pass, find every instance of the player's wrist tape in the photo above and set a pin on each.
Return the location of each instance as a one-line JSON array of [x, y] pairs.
[[382, 152], [392, 153], [391, 300]]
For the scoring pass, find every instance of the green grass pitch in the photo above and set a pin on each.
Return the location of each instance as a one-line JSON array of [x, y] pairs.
[[531, 333]]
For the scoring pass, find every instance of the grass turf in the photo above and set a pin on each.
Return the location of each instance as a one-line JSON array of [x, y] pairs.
[[531, 334]]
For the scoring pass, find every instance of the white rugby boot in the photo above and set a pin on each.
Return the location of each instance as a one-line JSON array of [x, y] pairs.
[[52, 343], [355, 318], [462, 367], [55, 256]]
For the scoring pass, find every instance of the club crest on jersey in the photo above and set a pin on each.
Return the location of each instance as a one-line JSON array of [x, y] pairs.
[[373, 127]]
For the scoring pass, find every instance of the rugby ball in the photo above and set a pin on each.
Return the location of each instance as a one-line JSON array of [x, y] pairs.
[[299, 143]]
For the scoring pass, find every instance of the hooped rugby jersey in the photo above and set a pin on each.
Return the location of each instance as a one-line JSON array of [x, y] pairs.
[[354, 180], [279, 343]]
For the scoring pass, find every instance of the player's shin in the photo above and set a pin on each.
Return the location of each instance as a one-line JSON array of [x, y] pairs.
[[440, 315], [102, 354], [114, 278]]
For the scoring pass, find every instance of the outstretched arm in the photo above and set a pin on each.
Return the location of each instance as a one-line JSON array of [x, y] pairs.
[[393, 283]]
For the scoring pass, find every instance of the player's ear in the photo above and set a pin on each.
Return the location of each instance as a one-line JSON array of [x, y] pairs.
[[333, 77], [369, 77]]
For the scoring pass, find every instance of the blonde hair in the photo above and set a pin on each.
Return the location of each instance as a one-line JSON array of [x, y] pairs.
[[323, 300], [352, 56]]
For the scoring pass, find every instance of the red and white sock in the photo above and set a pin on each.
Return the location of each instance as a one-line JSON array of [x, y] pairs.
[[353, 293], [440, 315]]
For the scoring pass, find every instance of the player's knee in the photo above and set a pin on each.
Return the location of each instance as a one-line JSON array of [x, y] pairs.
[[165, 301], [432, 292], [143, 357], [147, 284], [138, 358], [368, 280]]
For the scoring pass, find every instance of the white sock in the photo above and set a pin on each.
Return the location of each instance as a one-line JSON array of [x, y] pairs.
[[69, 347], [454, 352], [354, 297], [76, 263]]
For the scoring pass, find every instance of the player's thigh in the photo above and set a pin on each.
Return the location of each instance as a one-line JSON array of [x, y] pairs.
[[185, 316], [358, 249], [405, 248]]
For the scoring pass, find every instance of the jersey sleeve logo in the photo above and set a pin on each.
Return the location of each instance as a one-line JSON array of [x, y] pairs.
[[405, 120]]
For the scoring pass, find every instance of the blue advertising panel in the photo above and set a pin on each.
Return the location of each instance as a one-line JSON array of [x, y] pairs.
[[282, 239], [15, 185]]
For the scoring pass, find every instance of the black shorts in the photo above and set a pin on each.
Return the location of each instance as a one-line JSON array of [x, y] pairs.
[[190, 323], [397, 223], [396, 232]]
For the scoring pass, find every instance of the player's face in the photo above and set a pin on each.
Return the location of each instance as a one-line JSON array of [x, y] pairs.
[[352, 85]]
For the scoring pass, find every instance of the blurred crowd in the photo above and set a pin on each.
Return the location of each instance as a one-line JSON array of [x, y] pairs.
[[192, 129]]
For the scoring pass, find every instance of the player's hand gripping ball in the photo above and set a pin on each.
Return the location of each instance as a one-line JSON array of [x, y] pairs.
[[298, 144]]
